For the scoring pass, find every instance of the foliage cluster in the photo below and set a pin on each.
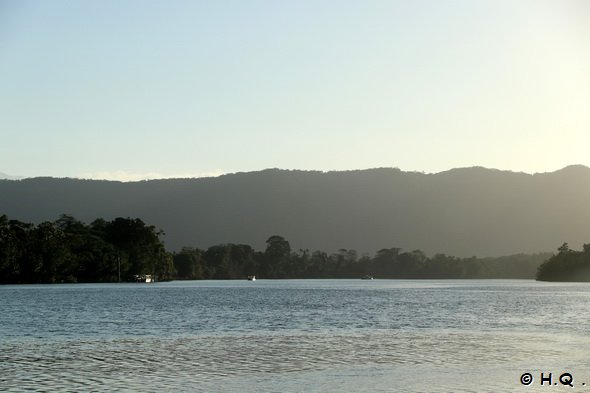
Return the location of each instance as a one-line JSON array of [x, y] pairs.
[[234, 261], [566, 265], [68, 250]]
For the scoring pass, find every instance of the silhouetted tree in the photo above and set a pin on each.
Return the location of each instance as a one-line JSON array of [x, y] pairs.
[[276, 257]]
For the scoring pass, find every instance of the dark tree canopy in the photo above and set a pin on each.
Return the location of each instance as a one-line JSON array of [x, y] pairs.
[[231, 261], [566, 265], [67, 250]]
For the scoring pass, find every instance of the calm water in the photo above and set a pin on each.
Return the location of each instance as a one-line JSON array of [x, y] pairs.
[[294, 335]]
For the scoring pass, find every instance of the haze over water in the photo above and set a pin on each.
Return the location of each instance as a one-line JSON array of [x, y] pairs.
[[293, 335]]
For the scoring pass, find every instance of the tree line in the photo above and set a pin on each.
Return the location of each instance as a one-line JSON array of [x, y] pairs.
[[566, 265], [67, 250], [235, 261]]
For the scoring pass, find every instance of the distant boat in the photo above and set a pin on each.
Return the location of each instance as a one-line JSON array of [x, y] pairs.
[[252, 278], [367, 277], [147, 278]]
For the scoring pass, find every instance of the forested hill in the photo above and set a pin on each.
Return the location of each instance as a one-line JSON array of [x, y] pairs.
[[462, 212]]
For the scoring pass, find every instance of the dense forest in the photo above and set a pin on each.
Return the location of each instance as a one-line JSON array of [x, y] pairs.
[[566, 265], [278, 261], [67, 250]]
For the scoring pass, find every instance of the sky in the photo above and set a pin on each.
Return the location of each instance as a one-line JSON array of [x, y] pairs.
[[130, 90]]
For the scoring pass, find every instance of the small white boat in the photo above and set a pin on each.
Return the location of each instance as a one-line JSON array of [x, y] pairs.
[[367, 277], [147, 278], [252, 278]]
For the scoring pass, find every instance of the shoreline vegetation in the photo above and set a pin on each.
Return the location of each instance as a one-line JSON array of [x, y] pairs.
[[566, 265], [69, 251]]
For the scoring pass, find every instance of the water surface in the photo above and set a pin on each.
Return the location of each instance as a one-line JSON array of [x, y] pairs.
[[294, 335]]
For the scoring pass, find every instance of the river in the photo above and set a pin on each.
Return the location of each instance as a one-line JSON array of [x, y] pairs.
[[296, 335]]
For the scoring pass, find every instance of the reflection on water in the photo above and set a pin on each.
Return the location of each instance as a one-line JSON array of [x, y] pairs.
[[291, 336]]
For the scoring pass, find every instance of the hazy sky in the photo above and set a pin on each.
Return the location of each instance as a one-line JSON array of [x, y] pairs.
[[132, 89]]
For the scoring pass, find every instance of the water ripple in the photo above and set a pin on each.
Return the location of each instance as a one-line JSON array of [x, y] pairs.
[[202, 362], [462, 336]]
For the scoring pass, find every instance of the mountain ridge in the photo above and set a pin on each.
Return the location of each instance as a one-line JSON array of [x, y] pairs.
[[4, 176], [463, 212]]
